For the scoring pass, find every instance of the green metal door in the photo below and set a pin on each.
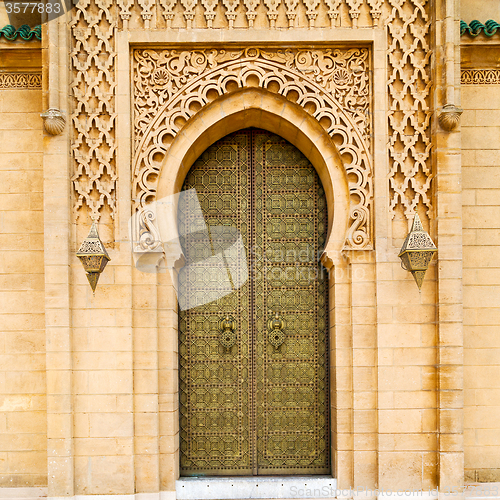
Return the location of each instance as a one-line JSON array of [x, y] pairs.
[[253, 320]]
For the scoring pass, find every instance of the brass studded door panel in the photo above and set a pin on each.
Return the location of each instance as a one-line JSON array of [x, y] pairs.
[[253, 360]]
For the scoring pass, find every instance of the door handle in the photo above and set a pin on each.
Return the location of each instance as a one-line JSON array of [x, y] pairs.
[[227, 335], [276, 335]]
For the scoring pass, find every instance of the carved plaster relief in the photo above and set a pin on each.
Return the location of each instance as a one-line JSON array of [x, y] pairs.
[[93, 85], [409, 85], [480, 77], [20, 81], [93, 59], [263, 14], [333, 85]]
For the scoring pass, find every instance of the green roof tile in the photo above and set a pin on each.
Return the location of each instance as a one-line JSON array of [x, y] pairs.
[[489, 28], [25, 32]]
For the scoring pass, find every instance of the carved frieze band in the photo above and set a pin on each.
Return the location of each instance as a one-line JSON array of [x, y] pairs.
[[261, 14], [93, 58], [409, 86], [20, 81], [480, 77], [331, 84]]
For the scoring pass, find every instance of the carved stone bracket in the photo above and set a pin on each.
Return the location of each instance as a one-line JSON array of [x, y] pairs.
[[332, 85], [449, 117], [54, 121]]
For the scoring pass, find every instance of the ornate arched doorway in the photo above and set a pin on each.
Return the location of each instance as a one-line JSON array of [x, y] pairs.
[[253, 319]]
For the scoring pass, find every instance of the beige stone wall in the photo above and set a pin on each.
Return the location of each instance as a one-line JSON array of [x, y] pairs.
[[481, 274], [112, 358], [483, 10], [23, 442]]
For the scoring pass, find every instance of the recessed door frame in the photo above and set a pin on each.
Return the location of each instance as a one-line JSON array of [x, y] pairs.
[[258, 108]]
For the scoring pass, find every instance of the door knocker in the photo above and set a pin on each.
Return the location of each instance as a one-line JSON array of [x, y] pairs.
[[276, 334], [227, 336]]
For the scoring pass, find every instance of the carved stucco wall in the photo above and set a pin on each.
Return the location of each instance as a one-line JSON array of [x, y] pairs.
[[20, 81], [409, 87], [336, 85], [170, 86], [93, 116]]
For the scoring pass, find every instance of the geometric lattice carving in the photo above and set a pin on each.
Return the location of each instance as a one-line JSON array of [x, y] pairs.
[[93, 58], [409, 85], [333, 85]]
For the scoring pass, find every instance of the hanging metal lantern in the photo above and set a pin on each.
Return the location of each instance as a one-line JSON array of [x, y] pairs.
[[93, 256], [417, 251]]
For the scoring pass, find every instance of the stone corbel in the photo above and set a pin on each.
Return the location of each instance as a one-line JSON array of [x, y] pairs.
[[147, 248], [151, 254], [159, 259], [54, 120], [449, 117], [449, 114], [331, 258]]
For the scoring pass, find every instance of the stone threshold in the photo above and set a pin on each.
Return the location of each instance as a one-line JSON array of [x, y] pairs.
[[239, 488], [24, 493], [485, 491]]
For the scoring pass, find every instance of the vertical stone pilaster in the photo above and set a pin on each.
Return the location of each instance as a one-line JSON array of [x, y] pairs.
[[57, 259], [168, 375], [341, 376], [448, 182], [364, 367], [146, 382]]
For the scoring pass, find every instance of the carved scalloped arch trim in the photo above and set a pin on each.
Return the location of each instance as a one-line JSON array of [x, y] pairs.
[[170, 90], [254, 107]]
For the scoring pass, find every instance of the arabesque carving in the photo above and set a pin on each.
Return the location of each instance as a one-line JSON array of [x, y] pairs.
[[93, 116], [409, 85], [93, 59], [54, 121], [480, 77], [20, 81], [333, 85], [264, 14]]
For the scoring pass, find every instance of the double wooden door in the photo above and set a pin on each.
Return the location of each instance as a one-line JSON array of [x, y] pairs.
[[253, 317]]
